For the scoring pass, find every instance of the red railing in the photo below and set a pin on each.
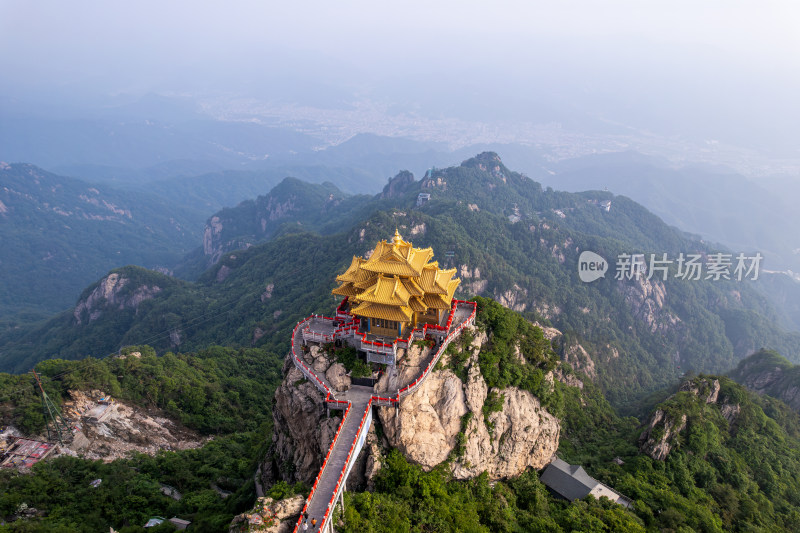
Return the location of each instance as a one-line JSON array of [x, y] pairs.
[[341, 480], [322, 470], [412, 386], [352, 326], [299, 363]]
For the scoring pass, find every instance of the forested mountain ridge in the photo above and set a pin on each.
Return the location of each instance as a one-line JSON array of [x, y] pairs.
[[60, 233], [217, 392], [718, 204], [709, 456], [509, 239], [316, 207]]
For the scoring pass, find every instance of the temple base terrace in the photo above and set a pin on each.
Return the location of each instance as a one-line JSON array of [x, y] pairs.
[[357, 401], [348, 329]]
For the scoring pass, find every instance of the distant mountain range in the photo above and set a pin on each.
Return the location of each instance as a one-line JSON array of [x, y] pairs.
[[717, 204]]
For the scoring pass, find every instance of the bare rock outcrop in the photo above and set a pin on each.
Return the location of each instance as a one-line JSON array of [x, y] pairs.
[[269, 516], [442, 420], [111, 429], [211, 234], [705, 389], [398, 185], [646, 299], [766, 372], [523, 435], [471, 280], [577, 356], [428, 425], [303, 431], [337, 377], [514, 298], [111, 292], [658, 438], [425, 426]]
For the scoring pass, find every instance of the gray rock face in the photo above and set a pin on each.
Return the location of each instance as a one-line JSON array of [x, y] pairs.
[[776, 381], [513, 298], [703, 389], [577, 356], [303, 432], [398, 185], [337, 377], [270, 516], [426, 427], [108, 293], [646, 299], [524, 435], [657, 439], [211, 234]]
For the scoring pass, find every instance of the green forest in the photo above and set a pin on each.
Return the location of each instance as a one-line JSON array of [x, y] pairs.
[[223, 392]]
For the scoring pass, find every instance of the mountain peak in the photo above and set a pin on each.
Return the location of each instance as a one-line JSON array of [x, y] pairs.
[[398, 185], [483, 158]]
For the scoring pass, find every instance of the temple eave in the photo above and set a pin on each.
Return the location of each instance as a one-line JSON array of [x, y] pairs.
[[386, 312]]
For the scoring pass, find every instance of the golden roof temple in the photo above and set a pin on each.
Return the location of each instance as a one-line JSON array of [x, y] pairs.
[[397, 289]]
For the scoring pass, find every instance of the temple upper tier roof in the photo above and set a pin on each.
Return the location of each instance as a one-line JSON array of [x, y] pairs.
[[396, 281], [397, 258]]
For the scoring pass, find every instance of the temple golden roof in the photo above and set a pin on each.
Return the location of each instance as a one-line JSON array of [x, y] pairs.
[[387, 290], [435, 280], [354, 272], [397, 258], [396, 282], [386, 312], [345, 289]]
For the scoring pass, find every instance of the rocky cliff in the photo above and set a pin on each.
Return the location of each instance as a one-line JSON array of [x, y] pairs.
[[303, 431], [766, 372], [124, 288], [291, 201], [269, 516], [671, 418], [446, 419], [398, 185]]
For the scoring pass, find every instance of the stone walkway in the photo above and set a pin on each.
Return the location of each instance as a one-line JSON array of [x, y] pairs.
[[327, 484]]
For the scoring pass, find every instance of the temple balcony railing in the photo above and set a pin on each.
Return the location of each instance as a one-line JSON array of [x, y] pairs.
[[309, 335], [455, 332]]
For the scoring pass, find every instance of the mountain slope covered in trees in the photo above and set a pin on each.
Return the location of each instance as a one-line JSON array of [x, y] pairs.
[[509, 239], [731, 462], [59, 234]]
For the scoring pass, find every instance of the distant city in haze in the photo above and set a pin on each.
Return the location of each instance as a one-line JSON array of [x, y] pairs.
[[714, 84]]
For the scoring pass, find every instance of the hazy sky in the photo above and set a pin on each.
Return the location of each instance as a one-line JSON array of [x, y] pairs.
[[56, 37], [679, 66]]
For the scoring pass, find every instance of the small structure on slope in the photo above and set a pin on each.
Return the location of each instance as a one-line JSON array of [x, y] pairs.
[[571, 482]]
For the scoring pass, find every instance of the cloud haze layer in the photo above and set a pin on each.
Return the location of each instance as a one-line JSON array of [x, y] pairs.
[[711, 71]]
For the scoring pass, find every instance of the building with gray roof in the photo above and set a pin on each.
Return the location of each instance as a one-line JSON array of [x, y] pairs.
[[571, 482]]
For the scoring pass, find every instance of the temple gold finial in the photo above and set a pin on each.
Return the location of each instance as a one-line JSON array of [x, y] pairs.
[[397, 238]]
